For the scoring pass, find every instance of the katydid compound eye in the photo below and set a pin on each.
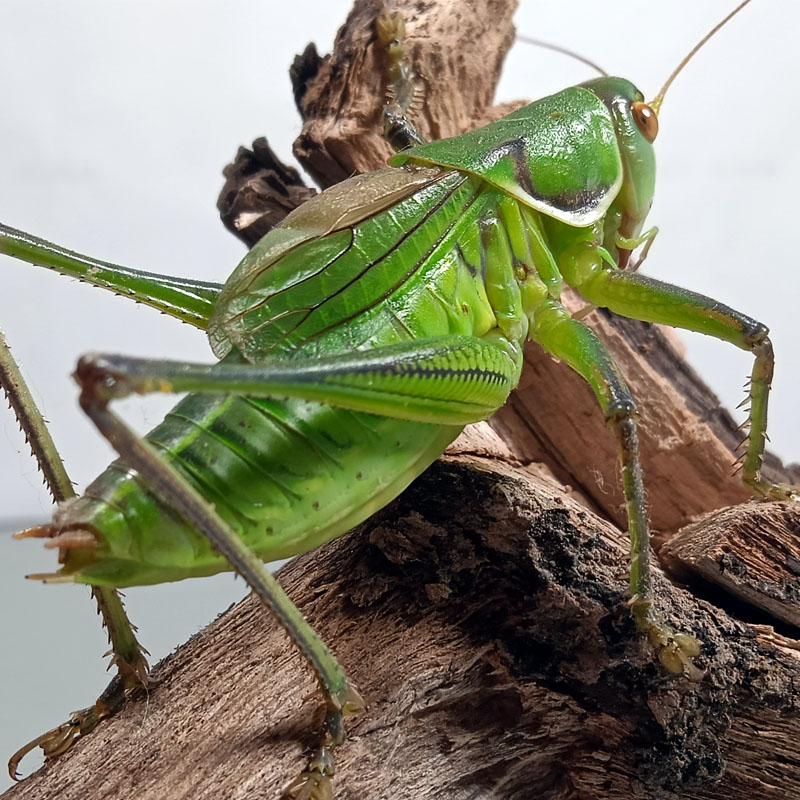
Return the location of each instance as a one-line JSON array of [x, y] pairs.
[[646, 120]]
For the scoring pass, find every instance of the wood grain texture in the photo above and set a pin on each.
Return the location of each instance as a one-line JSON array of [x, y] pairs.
[[483, 614], [342, 131], [752, 552], [485, 619]]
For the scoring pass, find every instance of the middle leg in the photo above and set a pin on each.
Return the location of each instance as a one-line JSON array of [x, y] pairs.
[[571, 341]]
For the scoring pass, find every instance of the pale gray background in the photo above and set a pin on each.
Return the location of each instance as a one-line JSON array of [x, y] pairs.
[[101, 99]]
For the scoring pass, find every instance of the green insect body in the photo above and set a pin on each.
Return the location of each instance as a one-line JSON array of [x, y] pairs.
[[356, 340], [405, 254]]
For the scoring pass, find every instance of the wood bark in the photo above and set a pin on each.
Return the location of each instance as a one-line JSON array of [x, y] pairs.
[[483, 614]]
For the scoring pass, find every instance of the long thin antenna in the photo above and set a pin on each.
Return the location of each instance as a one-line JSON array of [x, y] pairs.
[[655, 103], [563, 50]]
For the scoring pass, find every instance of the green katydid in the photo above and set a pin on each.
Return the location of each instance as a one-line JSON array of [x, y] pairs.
[[473, 237]]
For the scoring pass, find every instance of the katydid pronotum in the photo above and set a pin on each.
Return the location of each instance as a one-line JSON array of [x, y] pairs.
[[284, 389]]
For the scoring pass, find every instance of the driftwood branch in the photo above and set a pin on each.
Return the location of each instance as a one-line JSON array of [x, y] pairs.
[[483, 614]]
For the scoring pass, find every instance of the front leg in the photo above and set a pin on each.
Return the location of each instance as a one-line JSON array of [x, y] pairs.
[[398, 129], [640, 297]]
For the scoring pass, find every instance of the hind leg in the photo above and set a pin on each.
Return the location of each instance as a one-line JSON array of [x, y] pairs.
[[128, 656]]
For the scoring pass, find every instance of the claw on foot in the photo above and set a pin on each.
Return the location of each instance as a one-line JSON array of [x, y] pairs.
[[778, 491], [775, 491], [57, 741], [314, 783], [354, 702], [676, 651]]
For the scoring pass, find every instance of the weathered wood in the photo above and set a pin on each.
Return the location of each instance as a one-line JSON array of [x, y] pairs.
[[484, 617], [260, 190], [483, 614], [752, 552]]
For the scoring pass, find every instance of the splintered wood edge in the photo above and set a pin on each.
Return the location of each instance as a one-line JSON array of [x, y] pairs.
[[751, 551]]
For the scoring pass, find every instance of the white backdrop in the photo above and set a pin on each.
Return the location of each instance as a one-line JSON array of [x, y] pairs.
[[101, 99]]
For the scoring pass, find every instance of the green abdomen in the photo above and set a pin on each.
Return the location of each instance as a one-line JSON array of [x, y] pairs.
[[286, 475]]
